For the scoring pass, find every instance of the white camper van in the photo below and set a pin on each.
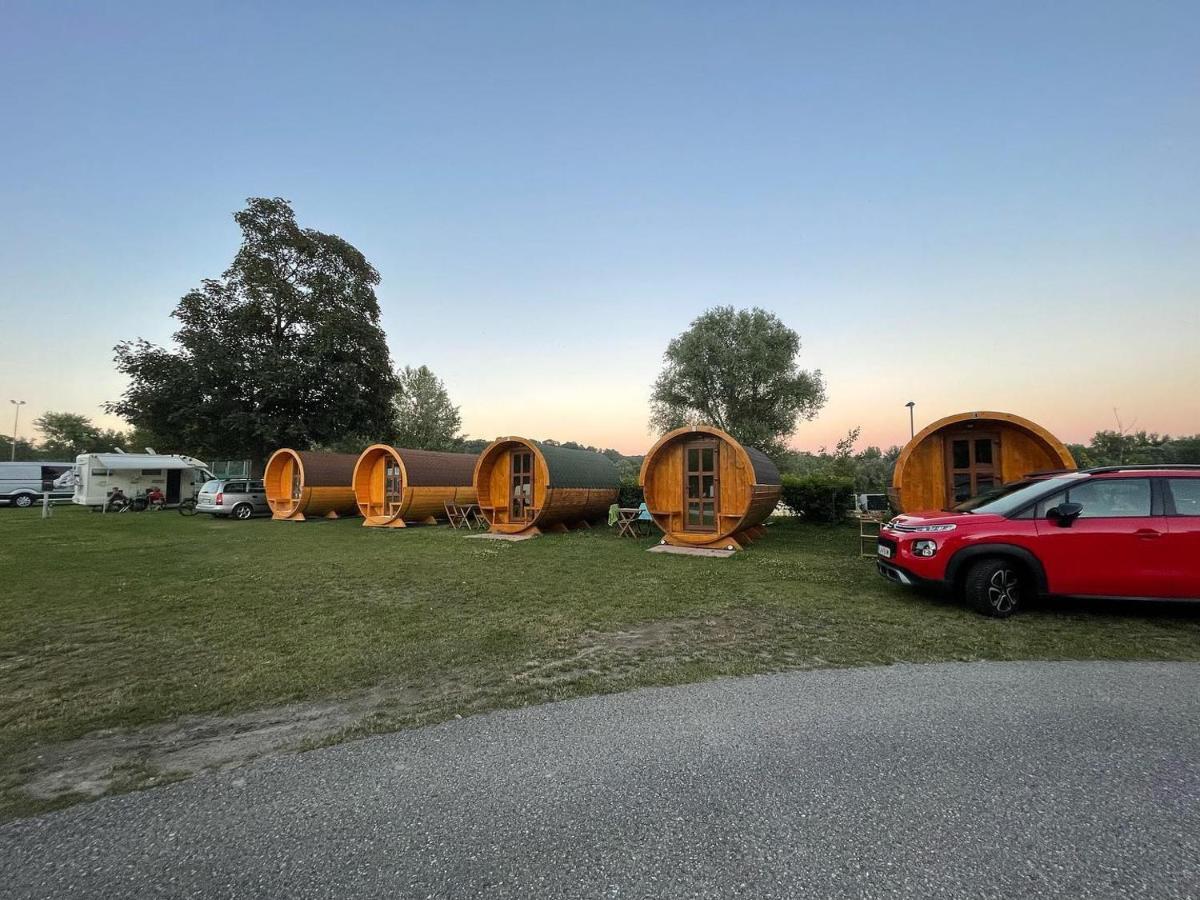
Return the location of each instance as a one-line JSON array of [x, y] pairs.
[[23, 483], [98, 474]]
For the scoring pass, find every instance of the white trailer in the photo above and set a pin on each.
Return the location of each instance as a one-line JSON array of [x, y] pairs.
[[97, 475]]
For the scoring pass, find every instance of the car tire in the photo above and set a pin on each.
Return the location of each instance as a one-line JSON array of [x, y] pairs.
[[24, 501], [995, 587], [243, 511]]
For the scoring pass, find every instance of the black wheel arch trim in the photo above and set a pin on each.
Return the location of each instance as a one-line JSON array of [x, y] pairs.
[[964, 557]]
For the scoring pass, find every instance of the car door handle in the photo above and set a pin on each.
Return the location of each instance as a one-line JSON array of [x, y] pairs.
[[1148, 534]]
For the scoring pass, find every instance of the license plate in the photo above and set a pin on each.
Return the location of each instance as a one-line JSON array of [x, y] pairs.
[[885, 552]]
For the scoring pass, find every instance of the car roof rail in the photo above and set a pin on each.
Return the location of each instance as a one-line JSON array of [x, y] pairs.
[[1143, 467]]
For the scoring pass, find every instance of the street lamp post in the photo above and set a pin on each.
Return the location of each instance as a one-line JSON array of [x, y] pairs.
[[16, 417], [912, 428]]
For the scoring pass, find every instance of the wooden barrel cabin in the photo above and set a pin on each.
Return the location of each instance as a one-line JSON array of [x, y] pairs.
[[395, 486], [301, 484], [704, 489], [527, 487], [964, 455]]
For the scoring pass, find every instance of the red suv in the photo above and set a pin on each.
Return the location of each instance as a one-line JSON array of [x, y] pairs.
[[1118, 531]]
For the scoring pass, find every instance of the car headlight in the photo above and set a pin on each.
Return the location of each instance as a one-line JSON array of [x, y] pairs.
[[925, 529], [924, 548]]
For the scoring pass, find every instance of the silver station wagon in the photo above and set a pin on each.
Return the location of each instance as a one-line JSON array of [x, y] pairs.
[[236, 497]]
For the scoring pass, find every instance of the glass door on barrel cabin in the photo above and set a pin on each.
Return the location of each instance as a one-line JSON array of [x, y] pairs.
[[701, 485], [972, 465], [521, 486], [392, 486]]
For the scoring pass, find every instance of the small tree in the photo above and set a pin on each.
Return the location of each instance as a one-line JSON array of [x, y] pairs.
[[285, 349], [737, 369], [425, 417], [66, 435]]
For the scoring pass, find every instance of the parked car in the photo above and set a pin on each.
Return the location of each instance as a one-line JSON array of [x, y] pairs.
[[1113, 532], [236, 497], [23, 483]]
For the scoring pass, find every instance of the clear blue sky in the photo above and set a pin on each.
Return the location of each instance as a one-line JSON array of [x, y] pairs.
[[969, 205]]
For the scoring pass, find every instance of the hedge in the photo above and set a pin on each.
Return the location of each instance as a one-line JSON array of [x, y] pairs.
[[630, 493], [818, 498]]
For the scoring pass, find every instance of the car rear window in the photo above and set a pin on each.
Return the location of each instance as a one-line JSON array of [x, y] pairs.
[[1186, 493], [211, 487]]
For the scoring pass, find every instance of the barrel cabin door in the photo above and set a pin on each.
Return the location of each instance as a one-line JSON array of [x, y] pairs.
[[297, 484], [701, 485], [972, 465], [521, 486], [393, 486]]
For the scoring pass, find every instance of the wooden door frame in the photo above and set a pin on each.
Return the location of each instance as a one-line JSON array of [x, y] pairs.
[[973, 468], [512, 475], [701, 444]]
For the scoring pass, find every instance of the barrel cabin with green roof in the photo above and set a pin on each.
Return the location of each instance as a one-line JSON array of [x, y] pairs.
[[706, 490], [527, 487], [301, 484], [395, 486]]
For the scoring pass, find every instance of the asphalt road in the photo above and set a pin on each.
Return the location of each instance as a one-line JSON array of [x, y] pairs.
[[973, 780]]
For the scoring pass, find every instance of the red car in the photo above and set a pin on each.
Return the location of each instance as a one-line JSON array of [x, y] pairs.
[[1113, 532]]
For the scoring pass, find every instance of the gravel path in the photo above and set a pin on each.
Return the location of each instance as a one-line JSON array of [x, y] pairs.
[[969, 780]]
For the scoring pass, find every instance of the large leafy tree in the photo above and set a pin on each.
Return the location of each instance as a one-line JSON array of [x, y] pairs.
[[285, 349], [737, 369], [425, 417]]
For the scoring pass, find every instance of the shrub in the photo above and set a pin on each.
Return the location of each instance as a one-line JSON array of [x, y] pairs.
[[818, 498], [631, 493]]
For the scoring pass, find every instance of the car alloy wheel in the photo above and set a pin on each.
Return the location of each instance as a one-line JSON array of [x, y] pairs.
[[243, 511], [1003, 591], [24, 501]]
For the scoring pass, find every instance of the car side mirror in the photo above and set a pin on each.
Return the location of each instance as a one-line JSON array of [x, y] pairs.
[[1064, 514]]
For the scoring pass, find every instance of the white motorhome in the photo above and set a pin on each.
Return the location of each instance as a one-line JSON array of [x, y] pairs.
[[97, 475]]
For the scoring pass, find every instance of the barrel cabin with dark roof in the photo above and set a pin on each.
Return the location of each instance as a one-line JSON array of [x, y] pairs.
[[527, 487], [705, 489]]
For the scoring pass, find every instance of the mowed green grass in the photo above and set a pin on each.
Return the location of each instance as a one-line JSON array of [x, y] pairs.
[[123, 621]]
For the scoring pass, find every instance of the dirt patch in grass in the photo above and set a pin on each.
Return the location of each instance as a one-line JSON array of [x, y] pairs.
[[97, 763], [127, 758]]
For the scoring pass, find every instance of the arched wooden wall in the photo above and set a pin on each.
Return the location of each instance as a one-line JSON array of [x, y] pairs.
[[925, 472], [303, 483], [393, 485], [566, 487], [744, 488]]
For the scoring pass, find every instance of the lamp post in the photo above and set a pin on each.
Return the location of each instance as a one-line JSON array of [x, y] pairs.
[[912, 428], [16, 417]]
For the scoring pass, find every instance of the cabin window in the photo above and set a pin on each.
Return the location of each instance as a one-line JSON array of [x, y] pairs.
[[296, 486], [971, 465], [700, 486], [522, 485]]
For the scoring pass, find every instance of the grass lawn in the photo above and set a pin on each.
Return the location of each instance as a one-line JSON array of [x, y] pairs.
[[114, 630]]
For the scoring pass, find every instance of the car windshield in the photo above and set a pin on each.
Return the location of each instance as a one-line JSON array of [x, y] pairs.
[[988, 496], [211, 487], [1011, 501]]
